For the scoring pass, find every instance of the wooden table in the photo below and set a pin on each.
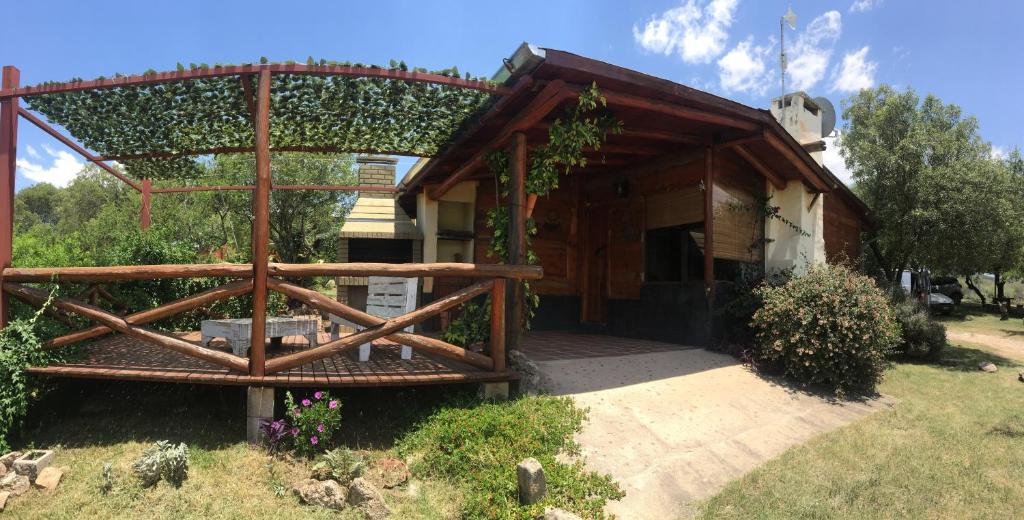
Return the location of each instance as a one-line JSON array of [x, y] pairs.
[[238, 331]]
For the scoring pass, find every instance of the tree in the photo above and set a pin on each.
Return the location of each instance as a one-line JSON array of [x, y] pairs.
[[927, 175], [303, 223]]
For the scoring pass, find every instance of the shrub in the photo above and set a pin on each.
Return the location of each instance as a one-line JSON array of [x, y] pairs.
[[479, 444], [830, 327], [736, 315], [473, 325], [341, 464], [923, 337], [162, 460], [19, 349], [313, 422]]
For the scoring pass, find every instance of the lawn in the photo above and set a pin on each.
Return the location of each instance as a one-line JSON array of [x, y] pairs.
[[971, 317], [463, 453], [952, 448]]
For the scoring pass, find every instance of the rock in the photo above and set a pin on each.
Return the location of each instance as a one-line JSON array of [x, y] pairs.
[[32, 462], [532, 485], [388, 473], [8, 459], [3, 470], [14, 483], [531, 382], [327, 493], [49, 478], [554, 513], [3, 498], [368, 499], [987, 366]]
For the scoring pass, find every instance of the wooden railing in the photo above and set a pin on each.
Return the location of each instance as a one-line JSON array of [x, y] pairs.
[[494, 280]]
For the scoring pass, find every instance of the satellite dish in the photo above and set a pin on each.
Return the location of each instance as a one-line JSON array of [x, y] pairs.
[[828, 115]]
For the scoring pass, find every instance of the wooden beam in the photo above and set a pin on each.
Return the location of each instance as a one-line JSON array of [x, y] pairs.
[[121, 273], [518, 167], [89, 156], [520, 272], [244, 70], [260, 228], [810, 175], [671, 137], [424, 343], [709, 226], [694, 114], [8, 167], [250, 99], [147, 199], [387, 328], [497, 346], [765, 171], [547, 100], [752, 137], [322, 187], [119, 324], [217, 150], [178, 306]]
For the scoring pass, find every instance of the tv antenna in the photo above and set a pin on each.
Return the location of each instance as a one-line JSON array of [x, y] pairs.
[[787, 19]]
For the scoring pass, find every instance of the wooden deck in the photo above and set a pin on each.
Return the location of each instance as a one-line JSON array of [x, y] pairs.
[[129, 359]]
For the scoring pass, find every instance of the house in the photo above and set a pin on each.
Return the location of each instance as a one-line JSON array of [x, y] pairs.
[[623, 242]]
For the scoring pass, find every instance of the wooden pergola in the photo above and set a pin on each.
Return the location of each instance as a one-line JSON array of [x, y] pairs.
[[254, 85]]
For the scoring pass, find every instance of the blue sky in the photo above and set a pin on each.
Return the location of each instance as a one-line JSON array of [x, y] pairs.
[[964, 52]]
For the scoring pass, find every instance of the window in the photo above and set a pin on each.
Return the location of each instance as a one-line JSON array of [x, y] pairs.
[[673, 254]]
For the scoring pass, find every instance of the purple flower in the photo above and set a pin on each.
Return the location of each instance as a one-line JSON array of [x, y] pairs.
[[306, 402], [320, 428], [333, 404], [313, 440], [295, 432], [319, 395], [295, 411]]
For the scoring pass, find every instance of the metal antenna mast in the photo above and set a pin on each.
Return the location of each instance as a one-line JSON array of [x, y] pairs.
[[788, 19]]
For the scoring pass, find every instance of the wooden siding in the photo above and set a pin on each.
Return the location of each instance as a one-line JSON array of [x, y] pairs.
[[739, 226], [843, 226]]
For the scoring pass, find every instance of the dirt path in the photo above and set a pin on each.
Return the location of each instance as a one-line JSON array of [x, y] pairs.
[[1005, 345]]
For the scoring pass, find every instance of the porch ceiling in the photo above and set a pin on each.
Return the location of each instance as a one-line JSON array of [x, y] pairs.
[[658, 116]]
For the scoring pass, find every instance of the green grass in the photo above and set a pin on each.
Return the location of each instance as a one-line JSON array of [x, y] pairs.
[[972, 318], [988, 288], [952, 448], [90, 424]]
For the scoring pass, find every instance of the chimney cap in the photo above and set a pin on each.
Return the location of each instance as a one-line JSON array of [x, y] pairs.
[[376, 159]]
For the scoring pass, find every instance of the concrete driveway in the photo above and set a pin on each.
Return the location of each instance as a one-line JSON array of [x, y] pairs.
[[673, 425]]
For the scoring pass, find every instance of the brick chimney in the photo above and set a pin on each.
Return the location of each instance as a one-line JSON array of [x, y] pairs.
[[376, 170]]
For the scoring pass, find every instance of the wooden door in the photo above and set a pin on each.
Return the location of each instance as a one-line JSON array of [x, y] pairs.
[[595, 290]]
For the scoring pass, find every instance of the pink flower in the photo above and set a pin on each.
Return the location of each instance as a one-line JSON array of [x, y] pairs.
[[295, 411], [295, 432], [333, 404], [313, 440], [320, 428], [318, 395], [306, 402]]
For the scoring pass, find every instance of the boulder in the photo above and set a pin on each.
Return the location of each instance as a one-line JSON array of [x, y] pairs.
[[532, 485], [49, 477], [388, 473], [15, 484], [554, 513], [327, 493], [368, 499], [987, 366], [3, 498], [8, 460]]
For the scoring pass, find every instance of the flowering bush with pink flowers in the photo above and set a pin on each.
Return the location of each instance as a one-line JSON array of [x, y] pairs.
[[313, 421]]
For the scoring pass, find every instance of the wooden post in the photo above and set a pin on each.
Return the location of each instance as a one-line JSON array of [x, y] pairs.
[[260, 227], [8, 160], [147, 199], [516, 235], [709, 232], [498, 324]]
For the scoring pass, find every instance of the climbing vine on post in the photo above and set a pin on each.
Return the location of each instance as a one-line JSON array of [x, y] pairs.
[[585, 125]]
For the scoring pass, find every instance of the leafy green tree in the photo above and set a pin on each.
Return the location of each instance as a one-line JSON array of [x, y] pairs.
[[928, 177]]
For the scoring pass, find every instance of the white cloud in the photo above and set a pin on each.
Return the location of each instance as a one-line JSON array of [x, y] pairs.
[[743, 68], [810, 55], [32, 152], [698, 33], [63, 169], [862, 6], [855, 72], [834, 162], [998, 152]]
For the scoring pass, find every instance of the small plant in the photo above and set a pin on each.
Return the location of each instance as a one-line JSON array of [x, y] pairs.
[[275, 434], [20, 348], [923, 337], [473, 326], [162, 460], [829, 327], [313, 422], [340, 464], [107, 485]]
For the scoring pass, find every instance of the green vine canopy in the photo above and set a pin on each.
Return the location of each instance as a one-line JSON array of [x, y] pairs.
[[330, 112]]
